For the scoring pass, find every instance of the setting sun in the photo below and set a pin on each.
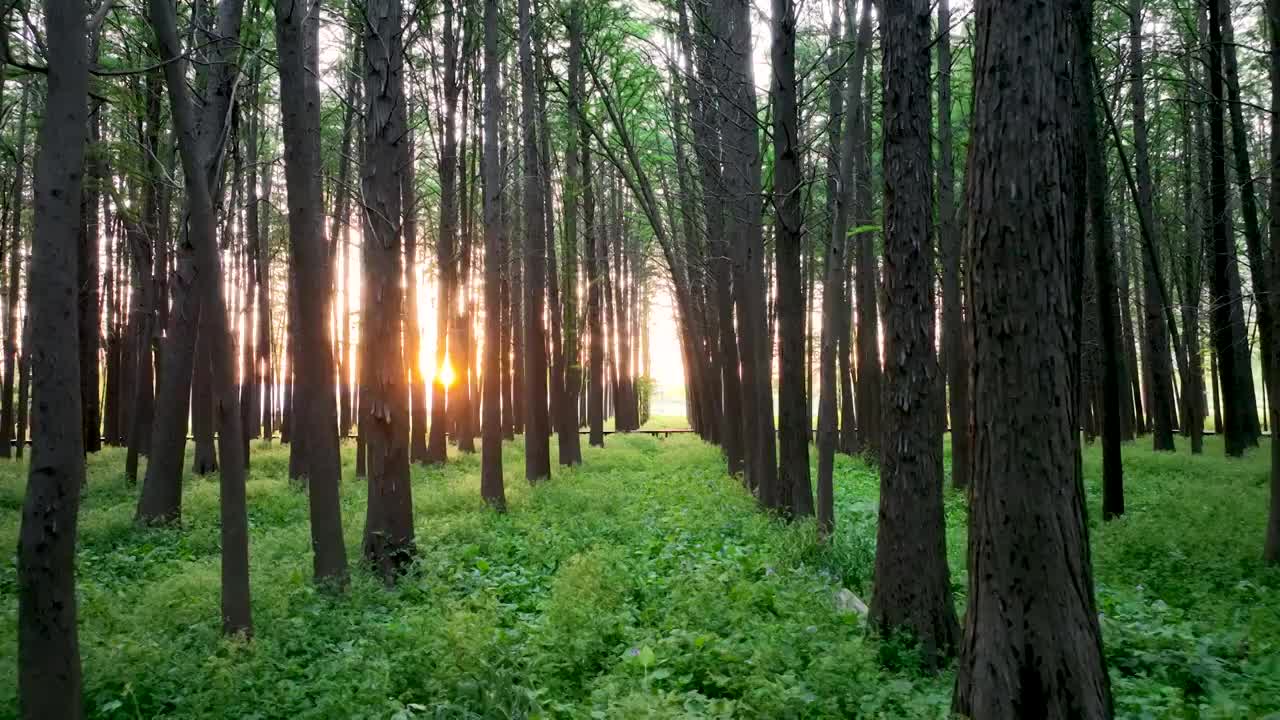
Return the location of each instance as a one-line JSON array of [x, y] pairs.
[[446, 376]]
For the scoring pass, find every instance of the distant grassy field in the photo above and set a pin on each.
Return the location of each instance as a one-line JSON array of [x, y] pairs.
[[644, 584]]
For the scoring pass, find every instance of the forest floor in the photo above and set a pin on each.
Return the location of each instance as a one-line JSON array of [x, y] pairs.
[[644, 584]]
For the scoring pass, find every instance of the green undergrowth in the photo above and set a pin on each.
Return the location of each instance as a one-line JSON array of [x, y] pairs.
[[644, 584]]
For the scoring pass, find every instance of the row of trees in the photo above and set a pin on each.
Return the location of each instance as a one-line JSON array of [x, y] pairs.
[[605, 153]]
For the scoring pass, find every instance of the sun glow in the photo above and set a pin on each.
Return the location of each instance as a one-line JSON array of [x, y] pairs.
[[446, 376]]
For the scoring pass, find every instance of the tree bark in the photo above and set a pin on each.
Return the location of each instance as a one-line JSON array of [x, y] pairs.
[[1032, 645], [1112, 355], [49, 677], [161, 497], [491, 484], [794, 495], [1157, 333], [912, 585], [537, 430], [297, 39], [236, 618], [953, 332], [388, 533], [1235, 423]]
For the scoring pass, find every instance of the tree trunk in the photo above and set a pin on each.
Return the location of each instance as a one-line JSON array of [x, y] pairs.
[[234, 522], [491, 485], [1235, 423], [8, 413], [537, 431], [1112, 355], [437, 450], [954, 345], [297, 38], [49, 679], [867, 283], [570, 442], [1157, 333], [161, 497], [912, 586], [742, 184], [793, 496], [388, 533], [90, 304], [1032, 645], [1271, 546]]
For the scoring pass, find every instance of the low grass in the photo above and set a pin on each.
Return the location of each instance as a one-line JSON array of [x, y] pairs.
[[644, 584]]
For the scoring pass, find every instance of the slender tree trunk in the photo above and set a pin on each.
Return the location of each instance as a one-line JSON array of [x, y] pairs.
[[833, 300], [743, 229], [297, 38], [1112, 355], [1235, 425], [1032, 645], [912, 586], [953, 332], [570, 442], [90, 304], [1157, 333], [537, 450], [161, 497], [794, 495], [491, 485], [49, 679], [1271, 546], [8, 413], [446, 262], [201, 223], [867, 282]]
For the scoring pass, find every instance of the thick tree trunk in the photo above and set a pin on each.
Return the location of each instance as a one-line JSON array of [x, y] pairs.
[[1032, 645], [49, 679], [912, 586], [297, 38]]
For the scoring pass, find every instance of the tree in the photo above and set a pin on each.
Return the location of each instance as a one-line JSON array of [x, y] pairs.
[[1032, 645], [161, 497], [1224, 312], [537, 463], [491, 426], [388, 532], [49, 681], [297, 40], [437, 449], [201, 230], [954, 346], [1161, 407], [1271, 547], [793, 494], [9, 413], [912, 585], [1097, 184]]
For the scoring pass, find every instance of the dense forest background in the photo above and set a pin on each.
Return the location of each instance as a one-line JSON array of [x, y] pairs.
[[985, 255]]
